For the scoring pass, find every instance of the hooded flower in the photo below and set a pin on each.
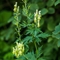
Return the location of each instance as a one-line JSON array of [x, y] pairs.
[[37, 17], [18, 50]]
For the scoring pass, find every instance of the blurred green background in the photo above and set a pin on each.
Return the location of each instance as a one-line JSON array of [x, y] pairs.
[[7, 37], [50, 18]]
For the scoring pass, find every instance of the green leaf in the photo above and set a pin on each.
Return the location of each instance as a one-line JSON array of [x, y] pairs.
[[4, 17], [39, 52], [57, 36], [27, 39], [50, 25], [8, 56], [41, 58], [25, 11], [41, 4], [58, 43], [43, 35], [33, 7], [11, 19], [48, 49], [50, 3], [31, 56], [6, 34], [6, 47], [44, 11], [51, 10], [42, 21], [57, 2], [57, 29], [21, 58], [14, 21], [50, 39], [38, 40]]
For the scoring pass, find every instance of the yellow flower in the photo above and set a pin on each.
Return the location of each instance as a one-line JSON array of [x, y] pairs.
[[37, 17], [16, 8], [18, 50], [15, 4], [34, 17]]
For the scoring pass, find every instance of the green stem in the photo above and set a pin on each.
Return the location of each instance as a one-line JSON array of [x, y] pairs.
[[35, 41], [19, 33], [18, 28], [35, 46], [25, 57], [25, 3]]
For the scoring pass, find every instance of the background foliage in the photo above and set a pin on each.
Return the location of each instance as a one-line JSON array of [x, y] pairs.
[[48, 41]]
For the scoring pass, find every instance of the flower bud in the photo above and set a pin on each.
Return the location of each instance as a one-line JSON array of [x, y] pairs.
[[14, 9], [15, 4]]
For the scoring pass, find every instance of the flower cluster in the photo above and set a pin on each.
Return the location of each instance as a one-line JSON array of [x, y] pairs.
[[18, 50], [16, 8], [37, 17], [16, 14]]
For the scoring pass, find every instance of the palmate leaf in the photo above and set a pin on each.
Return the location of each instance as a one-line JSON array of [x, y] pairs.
[[25, 11], [27, 39], [57, 36], [43, 35], [29, 31], [39, 52], [37, 39], [33, 31], [31, 56], [21, 58]]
